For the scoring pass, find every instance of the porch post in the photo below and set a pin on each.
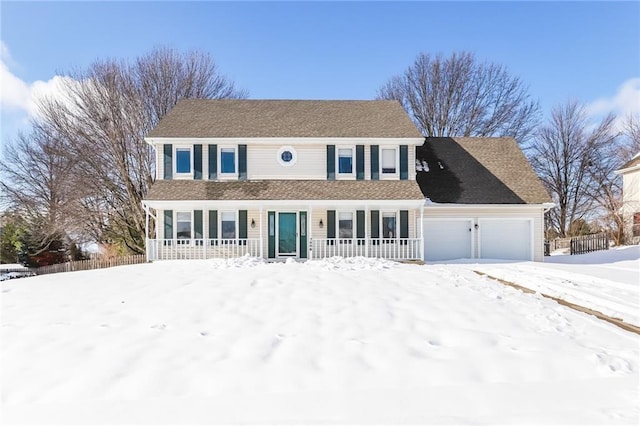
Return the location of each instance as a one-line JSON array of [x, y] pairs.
[[421, 248], [261, 237], [366, 231], [310, 233], [146, 231]]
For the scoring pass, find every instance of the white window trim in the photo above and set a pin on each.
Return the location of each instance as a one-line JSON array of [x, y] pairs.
[[294, 155], [390, 176], [346, 176], [175, 228], [223, 176], [396, 215], [235, 218], [354, 227], [177, 175]]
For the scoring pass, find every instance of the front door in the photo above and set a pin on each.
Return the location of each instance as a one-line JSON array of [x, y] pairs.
[[287, 235]]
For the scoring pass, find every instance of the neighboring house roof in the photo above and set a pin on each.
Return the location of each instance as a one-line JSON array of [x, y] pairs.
[[248, 118], [478, 171], [184, 190]]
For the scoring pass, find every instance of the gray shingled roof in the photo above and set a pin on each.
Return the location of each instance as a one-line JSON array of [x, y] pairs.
[[478, 171], [247, 118], [285, 190]]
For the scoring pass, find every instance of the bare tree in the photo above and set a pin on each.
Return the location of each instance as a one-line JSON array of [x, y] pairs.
[[103, 118], [631, 133], [571, 156], [459, 96], [38, 186]]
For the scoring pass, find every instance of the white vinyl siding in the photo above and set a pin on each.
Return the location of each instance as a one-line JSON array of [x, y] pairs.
[[159, 162], [262, 163]]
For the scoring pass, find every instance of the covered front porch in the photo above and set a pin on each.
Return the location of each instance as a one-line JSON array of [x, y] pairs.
[[225, 230]]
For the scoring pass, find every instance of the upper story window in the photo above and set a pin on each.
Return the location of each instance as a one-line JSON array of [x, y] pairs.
[[345, 160], [389, 165], [228, 161], [183, 160]]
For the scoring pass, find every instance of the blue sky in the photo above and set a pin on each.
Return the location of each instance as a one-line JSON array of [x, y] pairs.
[[589, 51]]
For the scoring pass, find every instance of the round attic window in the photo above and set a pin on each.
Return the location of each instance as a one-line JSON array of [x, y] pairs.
[[287, 156]]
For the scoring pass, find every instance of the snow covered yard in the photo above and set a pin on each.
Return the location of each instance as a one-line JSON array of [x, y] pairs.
[[333, 341]]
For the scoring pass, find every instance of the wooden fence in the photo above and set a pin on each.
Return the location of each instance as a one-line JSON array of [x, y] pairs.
[[85, 265], [588, 243], [559, 243]]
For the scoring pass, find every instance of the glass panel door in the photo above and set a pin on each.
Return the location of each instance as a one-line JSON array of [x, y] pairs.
[[287, 234]]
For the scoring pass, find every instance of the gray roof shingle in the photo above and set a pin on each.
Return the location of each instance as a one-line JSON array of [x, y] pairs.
[[478, 171], [248, 118], [284, 190]]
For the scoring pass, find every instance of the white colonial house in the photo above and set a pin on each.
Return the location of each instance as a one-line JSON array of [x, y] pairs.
[[285, 179], [630, 172], [311, 179]]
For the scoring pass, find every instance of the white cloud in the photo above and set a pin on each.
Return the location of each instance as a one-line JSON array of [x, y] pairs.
[[16, 94], [625, 101], [4, 52]]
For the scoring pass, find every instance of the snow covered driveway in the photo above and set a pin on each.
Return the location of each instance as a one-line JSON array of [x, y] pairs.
[[334, 341], [607, 281]]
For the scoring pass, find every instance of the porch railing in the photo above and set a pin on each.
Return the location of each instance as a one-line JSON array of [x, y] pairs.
[[388, 248], [202, 248]]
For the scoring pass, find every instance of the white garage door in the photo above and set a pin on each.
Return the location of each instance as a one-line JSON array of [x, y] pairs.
[[447, 239], [508, 239]]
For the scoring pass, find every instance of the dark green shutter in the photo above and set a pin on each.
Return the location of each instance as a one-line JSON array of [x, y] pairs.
[[303, 235], [168, 161], [242, 162], [375, 162], [213, 162], [331, 223], [242, 224], [404, 162], [360, 223], [404, 224], [331, 162], [168, 224], [197, 224], [360, 162], [375, 224], [213, 224], [271, 234], [197, 161]]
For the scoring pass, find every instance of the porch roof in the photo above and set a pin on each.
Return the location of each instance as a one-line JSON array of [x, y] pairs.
[[187, 190]]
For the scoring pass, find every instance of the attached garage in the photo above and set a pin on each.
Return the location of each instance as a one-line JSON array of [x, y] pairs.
[[483, 200], [447, 239], [509, 239]]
